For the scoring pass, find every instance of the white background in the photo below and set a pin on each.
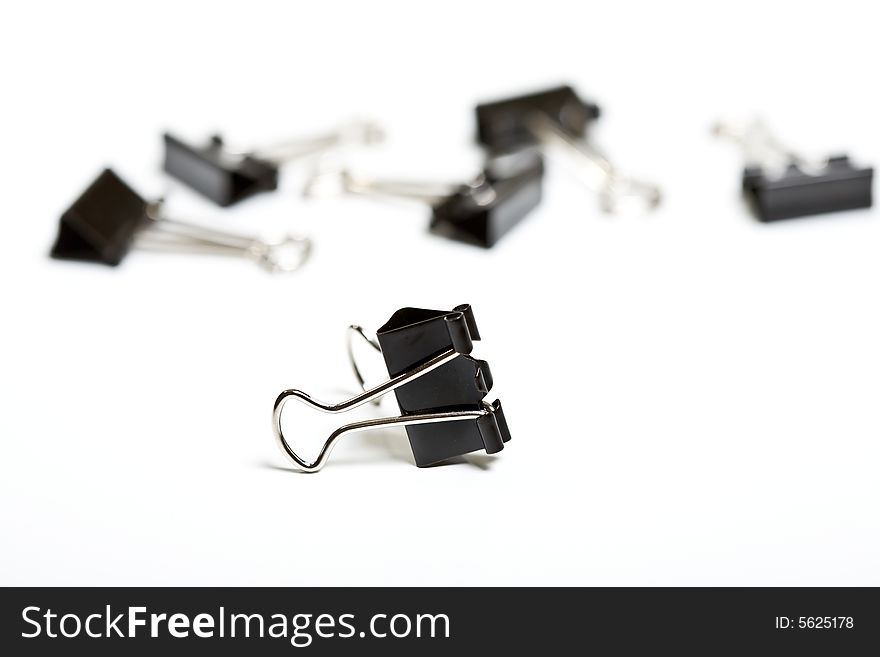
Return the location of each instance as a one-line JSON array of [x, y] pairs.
[[692, 395]]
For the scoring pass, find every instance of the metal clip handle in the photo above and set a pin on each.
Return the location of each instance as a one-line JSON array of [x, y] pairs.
[[353, 331], [341, 181], [762, 148], [163, 234], [367, 396], [354, 133], [617, 191]]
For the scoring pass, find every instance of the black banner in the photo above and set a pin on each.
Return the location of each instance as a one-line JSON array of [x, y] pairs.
[[438, 621]]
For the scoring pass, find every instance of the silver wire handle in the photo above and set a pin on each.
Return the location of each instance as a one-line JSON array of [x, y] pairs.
[[762, 148], [617, 191], [343, 181], [353, 331], [163, 234], [364, 425], [363, 133]]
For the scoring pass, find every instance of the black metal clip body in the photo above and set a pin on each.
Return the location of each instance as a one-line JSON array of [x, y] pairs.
[[834, 187], [780, 183], [413, 336], [439, 387], [507, 124], [100, 225], [217, 175], [485, 211]]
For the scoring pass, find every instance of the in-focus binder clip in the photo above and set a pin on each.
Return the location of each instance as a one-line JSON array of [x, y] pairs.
[[227, 176], [438, 385], [779, 183], [479, 212], [559, 120], [109, 216]]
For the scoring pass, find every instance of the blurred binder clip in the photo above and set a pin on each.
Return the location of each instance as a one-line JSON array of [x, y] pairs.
[[438, 385], [109, 216], [559, 120], [479, 212], [227, 176], [780, 183]]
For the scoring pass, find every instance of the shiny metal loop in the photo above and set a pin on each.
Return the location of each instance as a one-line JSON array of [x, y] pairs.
[[359, 400], [617, 191], [163, 234], [377, 423], [283, 255]]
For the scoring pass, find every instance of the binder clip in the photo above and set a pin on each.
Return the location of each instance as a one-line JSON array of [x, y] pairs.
[[227, 176], [438, 385], [109, 216], [479, 212], [559, 120], [779, 183]]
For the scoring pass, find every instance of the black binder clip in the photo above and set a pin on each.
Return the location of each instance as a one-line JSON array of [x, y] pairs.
[[438, 385], [109, 217], [505, 125], [559, 120], [479, 212], [779, 183], [227, 176]]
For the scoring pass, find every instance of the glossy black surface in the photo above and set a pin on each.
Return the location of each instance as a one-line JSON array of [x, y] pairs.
[[100, 225], [469, 216], [209, 170], [838, 186], [411, 337], [503, 125]]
